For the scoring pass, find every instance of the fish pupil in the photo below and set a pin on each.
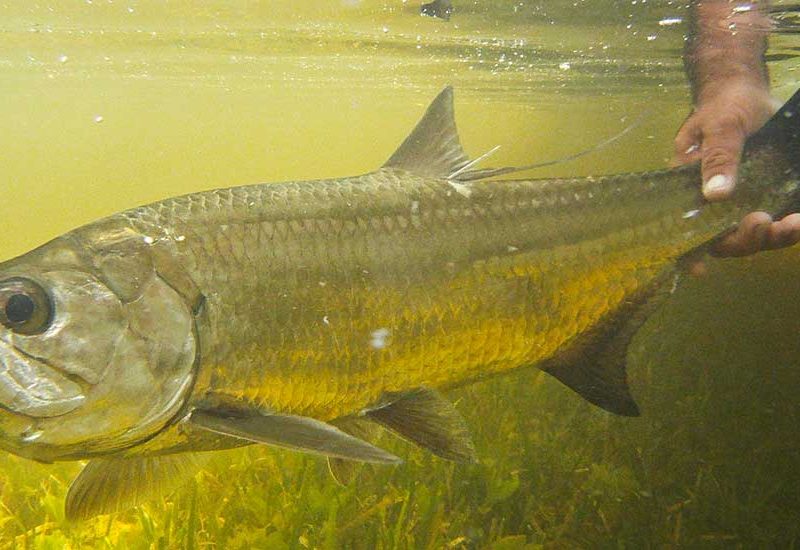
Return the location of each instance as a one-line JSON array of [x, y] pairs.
[[19, 308]]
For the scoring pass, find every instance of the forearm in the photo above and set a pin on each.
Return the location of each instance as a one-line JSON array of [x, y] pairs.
[[726, 44]]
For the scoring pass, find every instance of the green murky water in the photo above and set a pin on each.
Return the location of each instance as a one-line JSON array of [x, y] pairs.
[[108, 104]]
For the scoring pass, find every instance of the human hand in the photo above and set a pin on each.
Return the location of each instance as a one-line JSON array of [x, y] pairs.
[[714, 134]]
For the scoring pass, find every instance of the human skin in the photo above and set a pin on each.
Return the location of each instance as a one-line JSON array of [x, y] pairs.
[[724, 60]]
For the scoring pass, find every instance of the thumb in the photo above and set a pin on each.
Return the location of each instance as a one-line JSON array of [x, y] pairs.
[[720, 152]]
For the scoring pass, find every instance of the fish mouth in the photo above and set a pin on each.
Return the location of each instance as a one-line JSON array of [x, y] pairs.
[[30, 387]]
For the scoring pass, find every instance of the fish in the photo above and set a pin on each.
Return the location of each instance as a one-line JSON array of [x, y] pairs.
[[313, 315], [441, 9]]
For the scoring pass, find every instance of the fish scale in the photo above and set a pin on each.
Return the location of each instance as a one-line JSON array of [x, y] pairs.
[[428, 271]]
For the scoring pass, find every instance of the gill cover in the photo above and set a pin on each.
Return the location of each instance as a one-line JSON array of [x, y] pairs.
[[109, 356]]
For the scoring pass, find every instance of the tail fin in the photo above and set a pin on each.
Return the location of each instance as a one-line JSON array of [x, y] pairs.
[[782, 130], [781, 133]]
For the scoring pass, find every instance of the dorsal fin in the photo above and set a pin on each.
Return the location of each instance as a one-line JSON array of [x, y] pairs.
[[429, 420], [433, 148]]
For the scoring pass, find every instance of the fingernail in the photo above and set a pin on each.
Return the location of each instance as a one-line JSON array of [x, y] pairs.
[[717, 185]]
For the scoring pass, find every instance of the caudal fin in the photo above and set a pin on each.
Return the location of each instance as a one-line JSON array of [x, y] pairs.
[[783, 130], [781, 133]]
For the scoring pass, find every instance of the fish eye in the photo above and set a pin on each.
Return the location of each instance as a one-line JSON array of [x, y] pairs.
[[25, 307]]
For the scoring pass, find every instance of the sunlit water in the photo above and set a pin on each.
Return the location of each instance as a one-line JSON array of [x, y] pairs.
[[107, 105]]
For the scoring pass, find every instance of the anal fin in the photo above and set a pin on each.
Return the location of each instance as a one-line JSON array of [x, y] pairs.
[[427, 419], [595, 365], [109, 485], [294, 432]]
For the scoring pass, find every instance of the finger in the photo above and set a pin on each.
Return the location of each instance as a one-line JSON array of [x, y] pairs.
[[748, 238], [687, 144], [783, 233], [720, 152]]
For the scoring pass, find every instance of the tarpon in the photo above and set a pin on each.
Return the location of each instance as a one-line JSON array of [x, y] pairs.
[[301, 314]]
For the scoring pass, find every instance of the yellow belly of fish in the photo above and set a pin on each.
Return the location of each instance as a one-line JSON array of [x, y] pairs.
[[504, 314]]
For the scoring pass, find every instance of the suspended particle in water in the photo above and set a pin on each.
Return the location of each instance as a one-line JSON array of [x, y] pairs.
[[29, 436], [669, 21], [690, 214], [98, 119], [378, 338]]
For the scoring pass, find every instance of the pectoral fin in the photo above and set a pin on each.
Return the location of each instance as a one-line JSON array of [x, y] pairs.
[[427, 419], [595, 365], [294, 432], [105, 486]]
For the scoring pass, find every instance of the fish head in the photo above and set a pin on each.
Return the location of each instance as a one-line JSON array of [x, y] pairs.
[[97, 350]]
